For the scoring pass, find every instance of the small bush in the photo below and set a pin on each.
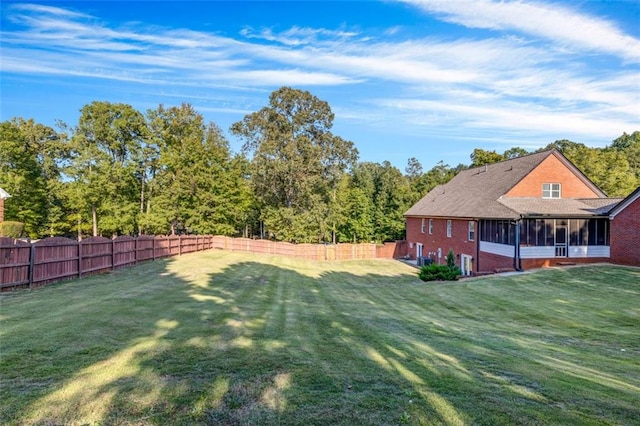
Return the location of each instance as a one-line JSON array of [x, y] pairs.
[[11, 229], [435, 272], [451, 259]]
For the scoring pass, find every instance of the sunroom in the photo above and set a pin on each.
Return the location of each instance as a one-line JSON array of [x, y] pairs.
[[534, 238]]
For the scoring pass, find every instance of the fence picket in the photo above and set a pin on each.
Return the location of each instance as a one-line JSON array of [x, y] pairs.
[[55, 259]]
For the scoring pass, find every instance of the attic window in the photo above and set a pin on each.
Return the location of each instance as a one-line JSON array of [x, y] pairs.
[[551, 190]]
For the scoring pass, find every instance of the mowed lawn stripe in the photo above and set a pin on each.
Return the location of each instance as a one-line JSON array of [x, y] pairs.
[[235, 338]]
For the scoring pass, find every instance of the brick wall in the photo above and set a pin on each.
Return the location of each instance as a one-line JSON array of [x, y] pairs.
[[625, 235], [551, 170], [490, 262], [459, 241], [561, 261], [1, 209]]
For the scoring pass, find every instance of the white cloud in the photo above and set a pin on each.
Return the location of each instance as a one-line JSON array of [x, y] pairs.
[[508, 85], [296, 36], [561, 24]]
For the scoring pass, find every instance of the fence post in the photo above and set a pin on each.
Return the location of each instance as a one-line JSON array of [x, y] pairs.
[[113, 254], [153, 248], [32, 263], [179, 245], [79, 258], [135, 250]]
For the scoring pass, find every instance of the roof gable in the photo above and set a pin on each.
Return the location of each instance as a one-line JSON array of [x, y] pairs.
[[474, 192], [4, 194], [556, 168], [480, 192], [633, 197]]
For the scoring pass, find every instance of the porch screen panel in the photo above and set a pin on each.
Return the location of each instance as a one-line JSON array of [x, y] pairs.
[[497, 231], [549, 226], [579, 232], [582, 232]]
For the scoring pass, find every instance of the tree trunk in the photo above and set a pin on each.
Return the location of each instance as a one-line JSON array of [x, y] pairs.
[[142, 196], [94, 217]]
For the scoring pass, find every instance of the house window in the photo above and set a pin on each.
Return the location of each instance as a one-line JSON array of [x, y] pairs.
[[449, 228], [472, 230], [430, 226], [422, 226], [551, 190]]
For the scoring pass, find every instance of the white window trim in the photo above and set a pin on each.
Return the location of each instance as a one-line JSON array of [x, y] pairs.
[[551, 191], [449, 228], [422, 226], [430, 226], [471, 225]]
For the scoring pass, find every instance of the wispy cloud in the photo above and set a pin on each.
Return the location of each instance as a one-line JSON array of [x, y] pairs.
[[527, 80], [560, 24], [297, 36]]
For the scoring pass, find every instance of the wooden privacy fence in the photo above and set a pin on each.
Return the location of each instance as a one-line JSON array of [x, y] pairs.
[[313, 251], [24, 264]]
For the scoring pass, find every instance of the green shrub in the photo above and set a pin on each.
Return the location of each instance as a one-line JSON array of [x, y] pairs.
[[451, 259], [11, 229], [436, 272]]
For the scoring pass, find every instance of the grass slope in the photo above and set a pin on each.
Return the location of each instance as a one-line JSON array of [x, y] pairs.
[[233, 338]]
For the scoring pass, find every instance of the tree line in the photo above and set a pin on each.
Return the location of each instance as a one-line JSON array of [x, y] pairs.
[[121, 172]]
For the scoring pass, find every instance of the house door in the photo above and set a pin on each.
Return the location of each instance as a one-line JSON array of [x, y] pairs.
[[466, 264], [561, 240], [418, 251]]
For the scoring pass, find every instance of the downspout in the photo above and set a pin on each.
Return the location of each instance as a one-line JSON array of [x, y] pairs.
[[517, 260], [476, 264]]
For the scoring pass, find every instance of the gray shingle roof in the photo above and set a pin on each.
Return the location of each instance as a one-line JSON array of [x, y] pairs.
[[625, 202], [477, 193], [564, 207]]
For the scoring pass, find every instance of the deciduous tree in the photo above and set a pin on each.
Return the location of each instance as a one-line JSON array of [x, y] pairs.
[[297, 163]]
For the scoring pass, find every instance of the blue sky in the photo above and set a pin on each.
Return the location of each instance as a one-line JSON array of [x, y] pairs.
[[415, 78]]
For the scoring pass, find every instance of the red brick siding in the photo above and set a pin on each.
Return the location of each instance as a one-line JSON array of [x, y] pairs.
[[490, 262], [391, 250], [459, 241], [1, 209], [551, 170], [625, 235], [561, 261]]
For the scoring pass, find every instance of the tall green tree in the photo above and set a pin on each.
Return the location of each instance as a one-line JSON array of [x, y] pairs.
[[610, 169], [629, 146], [195, 185], [514, 152], [388, 196], [480, 157], [296, 163], [29, 170], [104, 167]]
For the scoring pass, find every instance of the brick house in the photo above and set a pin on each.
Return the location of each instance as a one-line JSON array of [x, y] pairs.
[[532, 211], [3, 194], [625, 230]]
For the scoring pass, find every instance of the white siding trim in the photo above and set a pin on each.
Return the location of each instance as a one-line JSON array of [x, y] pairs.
[[499, 249], [589, 251], [537, 252], [548, 252]]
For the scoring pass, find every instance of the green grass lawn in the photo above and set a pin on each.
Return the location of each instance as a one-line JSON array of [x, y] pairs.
[[233, 338]]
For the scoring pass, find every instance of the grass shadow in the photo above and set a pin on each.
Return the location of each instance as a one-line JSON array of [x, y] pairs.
[[226, 338]]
